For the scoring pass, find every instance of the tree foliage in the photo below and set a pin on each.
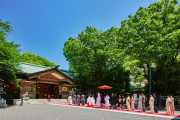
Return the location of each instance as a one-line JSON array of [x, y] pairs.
[[96, 58], [10, 56], [38, 60], [153, 34]]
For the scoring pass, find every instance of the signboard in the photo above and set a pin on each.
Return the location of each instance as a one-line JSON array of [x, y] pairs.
[[64, 89], [1, 89]]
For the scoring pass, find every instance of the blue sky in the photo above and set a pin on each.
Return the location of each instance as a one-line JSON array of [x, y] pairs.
[[42, 26]]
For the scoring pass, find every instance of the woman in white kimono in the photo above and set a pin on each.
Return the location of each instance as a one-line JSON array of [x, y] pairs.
[[70, 100], [106, 99], [140, 103], [172, 105], [88, 101], [151, 103], [98, 100], [128, 102], [132, 102], [168, 105], [92, 101]]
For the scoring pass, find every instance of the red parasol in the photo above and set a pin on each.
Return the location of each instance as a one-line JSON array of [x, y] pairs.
[[105, 87], [15, 88]]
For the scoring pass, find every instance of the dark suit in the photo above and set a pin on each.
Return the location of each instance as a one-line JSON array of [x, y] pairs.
[[155, 103]]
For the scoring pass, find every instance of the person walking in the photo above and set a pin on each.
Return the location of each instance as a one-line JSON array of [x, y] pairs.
[[74, 100], [172, 105], [143, 102], [83, 99], [132, 102], [168, 105], [102, 100], [70, 100], [155, 103], [98, 100], [106, 99], [151, 103], [140, 103], [119, 102], [128, 102], [123, 101]]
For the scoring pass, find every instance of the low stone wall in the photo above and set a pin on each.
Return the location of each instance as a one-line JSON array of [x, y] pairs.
[[39, 101]]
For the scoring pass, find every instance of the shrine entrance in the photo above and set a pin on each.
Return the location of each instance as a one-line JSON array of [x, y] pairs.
[[47, 91]]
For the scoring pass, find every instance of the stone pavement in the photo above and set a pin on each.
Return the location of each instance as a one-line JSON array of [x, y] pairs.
[[56, 112]]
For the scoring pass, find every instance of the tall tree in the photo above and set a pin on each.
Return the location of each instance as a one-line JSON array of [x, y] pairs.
[[93, 54], [31, 58], [10, 56], [153, 34]]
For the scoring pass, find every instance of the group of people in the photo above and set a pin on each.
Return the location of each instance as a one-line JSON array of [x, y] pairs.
[[114, 102], [77, 99]]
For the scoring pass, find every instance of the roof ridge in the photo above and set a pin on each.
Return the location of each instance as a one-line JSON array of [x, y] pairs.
[[36, 65]]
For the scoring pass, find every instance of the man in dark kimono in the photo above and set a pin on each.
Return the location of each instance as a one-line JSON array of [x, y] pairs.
[[111, 101], [143, 102], [155, 103], [102, 100], [123, 101]]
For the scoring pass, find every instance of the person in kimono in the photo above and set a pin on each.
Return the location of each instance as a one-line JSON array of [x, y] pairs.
[[151, 103], [168, 105], [70, 100], [98, 100], [74, 99], [112, 101], [140, 103], [83, 99], [172, 107], [132, 102], [128, 102], [143, 102], [119, 102], [102, 100], [123, 101], [92, 101], [106, 99], [155, 103], [89, 101], [78, 99]]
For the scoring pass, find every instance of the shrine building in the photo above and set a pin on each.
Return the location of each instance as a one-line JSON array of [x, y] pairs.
[[43, 82]]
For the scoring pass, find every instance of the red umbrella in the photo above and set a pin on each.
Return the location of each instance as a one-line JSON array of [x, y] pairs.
[[15, 88], [105, 87]]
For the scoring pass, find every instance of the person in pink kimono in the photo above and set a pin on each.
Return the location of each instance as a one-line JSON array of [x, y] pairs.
[[98, 100]]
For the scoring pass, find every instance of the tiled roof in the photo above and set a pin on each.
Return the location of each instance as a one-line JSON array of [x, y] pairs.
[[29, 68]]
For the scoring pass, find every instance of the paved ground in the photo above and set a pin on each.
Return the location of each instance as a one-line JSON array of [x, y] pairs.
[[57, 112]]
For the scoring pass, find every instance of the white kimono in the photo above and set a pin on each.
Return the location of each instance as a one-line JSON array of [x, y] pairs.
[[70, 100], [88, 100], [98, 100]]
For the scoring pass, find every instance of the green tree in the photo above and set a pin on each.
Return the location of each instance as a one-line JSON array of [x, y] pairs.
[[93, 55], [38, 60], [153, 34], [10, 56]]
